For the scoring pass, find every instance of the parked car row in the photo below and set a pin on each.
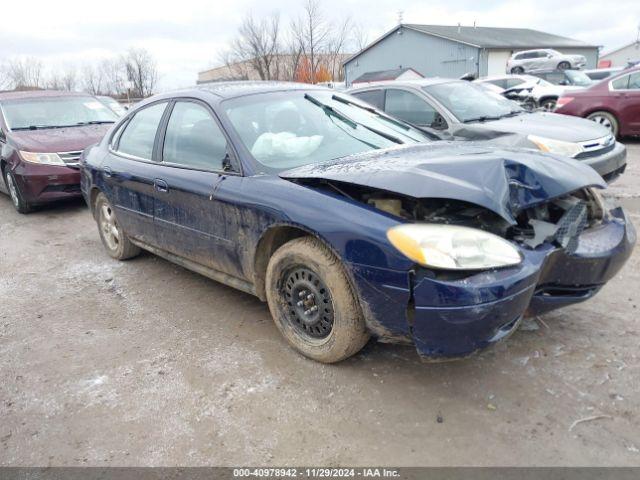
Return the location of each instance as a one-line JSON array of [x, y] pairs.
[[347, 214], [465, 111]]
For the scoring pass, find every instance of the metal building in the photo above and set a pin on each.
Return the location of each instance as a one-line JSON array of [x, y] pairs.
[[621, 57], [452, 51]]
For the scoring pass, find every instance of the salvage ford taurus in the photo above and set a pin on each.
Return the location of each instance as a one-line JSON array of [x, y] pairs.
[[348, 222]]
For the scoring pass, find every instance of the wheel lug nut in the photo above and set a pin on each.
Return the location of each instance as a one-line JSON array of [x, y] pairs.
[[310, 296], [300, 303], [313, 309], [307, 312], [302, 294]]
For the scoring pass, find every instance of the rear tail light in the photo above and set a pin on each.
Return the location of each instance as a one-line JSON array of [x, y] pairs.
[[562, 101]]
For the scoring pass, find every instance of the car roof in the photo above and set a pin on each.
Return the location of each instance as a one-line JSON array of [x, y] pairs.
[[18, 95], [524, 76], [241, 88], [418, 82]]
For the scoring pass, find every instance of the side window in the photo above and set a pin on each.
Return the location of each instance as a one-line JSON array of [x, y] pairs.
[[193, 138], [634, 81], [621, 83], [140, 133], [512, 82], [372, 97], [409, 107], [501, 82]]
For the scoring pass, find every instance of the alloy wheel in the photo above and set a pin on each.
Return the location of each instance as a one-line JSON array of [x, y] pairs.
[[602, 120], [109, 227], [13, 189]]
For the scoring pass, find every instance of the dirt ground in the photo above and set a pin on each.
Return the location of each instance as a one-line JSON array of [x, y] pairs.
[[145, 363]]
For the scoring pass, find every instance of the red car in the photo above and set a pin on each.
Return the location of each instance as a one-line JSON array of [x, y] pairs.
[[42, 134], [613, 102]]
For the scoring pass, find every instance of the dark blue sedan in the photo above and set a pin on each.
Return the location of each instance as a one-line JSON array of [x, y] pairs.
[[350, 223]]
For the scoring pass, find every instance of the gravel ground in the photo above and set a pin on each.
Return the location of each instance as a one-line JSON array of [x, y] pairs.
[[145, 363]]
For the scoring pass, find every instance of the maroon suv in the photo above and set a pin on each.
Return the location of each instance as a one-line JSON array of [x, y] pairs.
[[613, 102], [42, 134]]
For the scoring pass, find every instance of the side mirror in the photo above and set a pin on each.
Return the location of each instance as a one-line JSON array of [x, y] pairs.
[[564, 83], [3, 136], [226, 163]]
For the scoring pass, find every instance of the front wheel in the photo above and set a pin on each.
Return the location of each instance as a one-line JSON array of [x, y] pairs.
[[17, 198], [113, 237], [564, 66], [312, 302], [606, 120], [548, 105], [517, 70]]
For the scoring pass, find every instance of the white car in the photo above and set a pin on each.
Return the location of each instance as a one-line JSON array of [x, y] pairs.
[[547, 58], [523, 87]]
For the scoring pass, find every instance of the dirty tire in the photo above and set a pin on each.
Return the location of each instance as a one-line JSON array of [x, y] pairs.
[[607, 120], [564, 66], [348, 333], [17, 199], [113, 237], [517, 70]]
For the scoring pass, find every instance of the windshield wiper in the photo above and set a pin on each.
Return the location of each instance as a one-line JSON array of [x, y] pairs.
[[483, 118], [372, 110], [329, 110], [95, 122], [37, 127]]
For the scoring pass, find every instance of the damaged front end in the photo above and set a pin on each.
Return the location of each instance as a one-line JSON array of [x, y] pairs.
[[570, 242]]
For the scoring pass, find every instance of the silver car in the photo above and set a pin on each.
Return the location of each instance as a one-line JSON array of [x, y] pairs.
[[543, 59], [464, 111]]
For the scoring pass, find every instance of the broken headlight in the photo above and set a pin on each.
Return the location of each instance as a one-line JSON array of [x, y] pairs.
[[453, 247], [568, 149]]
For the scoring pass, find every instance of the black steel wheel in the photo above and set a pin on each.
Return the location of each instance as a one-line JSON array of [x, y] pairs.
[[311, 306], [312, 301]]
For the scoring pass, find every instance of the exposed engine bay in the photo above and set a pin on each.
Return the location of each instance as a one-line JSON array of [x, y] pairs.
[[559, 221]]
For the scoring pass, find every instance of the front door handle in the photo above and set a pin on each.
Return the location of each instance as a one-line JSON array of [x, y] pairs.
[[160, 185], [107, 172]]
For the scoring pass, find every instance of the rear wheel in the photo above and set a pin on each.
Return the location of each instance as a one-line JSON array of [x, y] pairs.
[[564, 66], [606, 120], [17, 198], [517, 70], [312, 302], [113, 237]]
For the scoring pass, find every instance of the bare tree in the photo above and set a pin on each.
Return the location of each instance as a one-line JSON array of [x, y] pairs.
[[113, 76], [141, 71], [313, 35], [66, 79], [335, 48], [359, 37], [258, 43], [24, 73], [92, 81]]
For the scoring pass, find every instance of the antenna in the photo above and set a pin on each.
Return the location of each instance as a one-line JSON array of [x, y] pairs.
[[400, 14], [458, 27]]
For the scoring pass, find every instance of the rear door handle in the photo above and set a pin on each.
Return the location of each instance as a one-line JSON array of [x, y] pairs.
[[107, 172], [161, 185]]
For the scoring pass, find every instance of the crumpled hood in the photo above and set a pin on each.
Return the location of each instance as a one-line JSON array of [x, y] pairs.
[[52, 140], [551, 125], [502, 180]]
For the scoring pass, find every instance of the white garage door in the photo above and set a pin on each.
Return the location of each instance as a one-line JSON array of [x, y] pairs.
[[497, 62]]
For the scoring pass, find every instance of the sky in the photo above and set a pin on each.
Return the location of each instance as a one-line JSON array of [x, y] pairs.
[[188, 36]]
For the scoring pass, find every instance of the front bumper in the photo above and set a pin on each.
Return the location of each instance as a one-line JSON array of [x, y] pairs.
[[449, 318], [46, 183], [609, 165]]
